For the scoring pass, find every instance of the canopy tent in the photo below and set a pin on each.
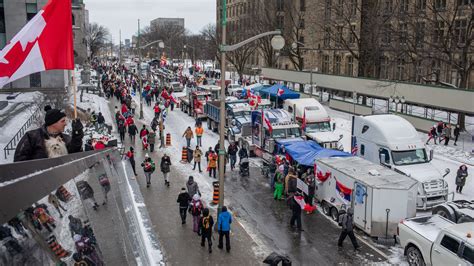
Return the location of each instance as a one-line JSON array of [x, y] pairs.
[[285, 92], [306, 152]]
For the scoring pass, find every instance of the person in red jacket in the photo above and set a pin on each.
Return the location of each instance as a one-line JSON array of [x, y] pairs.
[[157, 110], [129, 121], [124, 110]]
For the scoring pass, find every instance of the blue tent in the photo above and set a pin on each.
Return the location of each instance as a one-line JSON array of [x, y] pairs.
[[273, 92], [306, 152]]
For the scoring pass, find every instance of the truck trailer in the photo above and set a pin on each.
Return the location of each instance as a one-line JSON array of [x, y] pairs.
[[379, 196]]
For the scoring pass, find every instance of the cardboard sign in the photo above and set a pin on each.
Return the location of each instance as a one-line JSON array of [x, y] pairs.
[[301, 185]]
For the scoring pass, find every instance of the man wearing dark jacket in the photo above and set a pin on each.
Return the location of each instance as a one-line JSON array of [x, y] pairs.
[[205, 228], [347, 222], [165, 168], [232, 151], [183, 200], [49, 141], [295, 213]]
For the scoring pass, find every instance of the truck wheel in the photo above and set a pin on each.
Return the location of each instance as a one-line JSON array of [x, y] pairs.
[[414, 257], [334, 214], [465, 219], [445, 211], [326, 208]]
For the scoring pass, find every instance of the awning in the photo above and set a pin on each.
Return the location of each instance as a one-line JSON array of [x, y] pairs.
[[306, 152], [285, 92]]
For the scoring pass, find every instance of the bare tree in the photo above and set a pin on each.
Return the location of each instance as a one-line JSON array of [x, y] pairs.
[[209, 34], [172, 35], [97, 39]]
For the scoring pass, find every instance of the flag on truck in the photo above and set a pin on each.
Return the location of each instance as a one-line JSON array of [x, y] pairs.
[[267, 122], [280, 91], [44, 43], [343, 191], [354, 147]]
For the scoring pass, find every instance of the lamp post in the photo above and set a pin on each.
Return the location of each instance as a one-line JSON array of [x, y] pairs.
[[397, 100], [277, 43], [194, 52]]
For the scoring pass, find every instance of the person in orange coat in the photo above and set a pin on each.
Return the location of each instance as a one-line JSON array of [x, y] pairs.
[[212, 164], [199, 132]]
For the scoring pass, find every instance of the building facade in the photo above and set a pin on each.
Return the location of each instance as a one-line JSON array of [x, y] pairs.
[[80, 26], [167, 22], [423, 41], [14, 14]]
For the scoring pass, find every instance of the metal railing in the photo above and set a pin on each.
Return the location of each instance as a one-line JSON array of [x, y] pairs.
[[11, 145]]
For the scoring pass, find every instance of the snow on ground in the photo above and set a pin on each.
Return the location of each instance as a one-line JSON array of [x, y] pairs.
[[14, 124]]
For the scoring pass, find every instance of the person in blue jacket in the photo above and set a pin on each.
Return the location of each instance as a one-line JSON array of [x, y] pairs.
[[223, 227]]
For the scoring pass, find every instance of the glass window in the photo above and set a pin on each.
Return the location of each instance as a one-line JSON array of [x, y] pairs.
[[387, 156], [293, 132], [31, 10], [468, 254], [409, 157], [318, 127], [450, 244], [278, 133], [302, 5], [3, 40], [350, 66], [35, 80], [362, 149], [337, 65]]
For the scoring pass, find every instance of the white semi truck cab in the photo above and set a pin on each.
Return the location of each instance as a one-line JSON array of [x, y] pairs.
[[318, 122], [393, 142]]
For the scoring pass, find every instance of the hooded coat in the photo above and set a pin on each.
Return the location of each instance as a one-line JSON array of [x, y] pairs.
[[461, 176], [348, 220], [192, 187]]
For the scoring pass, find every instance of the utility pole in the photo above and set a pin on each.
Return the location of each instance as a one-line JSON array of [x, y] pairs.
[[222, 110], [140, 71]]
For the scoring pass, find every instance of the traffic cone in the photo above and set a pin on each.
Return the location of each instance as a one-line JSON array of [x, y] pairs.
[[215, 196], [168, 139], [184, 155]]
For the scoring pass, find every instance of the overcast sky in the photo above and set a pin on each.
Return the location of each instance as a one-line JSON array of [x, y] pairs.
[[123, 14]]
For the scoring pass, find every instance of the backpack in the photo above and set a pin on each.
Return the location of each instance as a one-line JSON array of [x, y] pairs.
[[104, 180], [206, 223], [340, 217]]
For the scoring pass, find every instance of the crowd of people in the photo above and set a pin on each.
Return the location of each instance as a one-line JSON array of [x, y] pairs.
[[443, 132]]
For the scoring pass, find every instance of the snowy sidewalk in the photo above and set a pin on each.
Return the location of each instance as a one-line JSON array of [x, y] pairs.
[[181, 246]]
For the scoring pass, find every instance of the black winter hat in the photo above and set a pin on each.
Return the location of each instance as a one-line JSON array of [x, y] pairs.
[[52, 116]]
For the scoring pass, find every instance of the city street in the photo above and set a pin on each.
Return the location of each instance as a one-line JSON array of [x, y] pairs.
[[263, 223]]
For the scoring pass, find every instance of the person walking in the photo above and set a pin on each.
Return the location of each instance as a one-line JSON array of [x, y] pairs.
[[183, 200], [232, 151], [197, 154], [192, 187], [199, 132], [446, 134], [131, 158], [295, 212], [53, 200], [121, 130], [212, 164], [461, 177], [132, 131], [152, 140], [105, 184], [457, 131], [195, 208], [188, 134], [432, 135], [277, 193], [148, 167], [291, 182], [101, 120], [207, 154], [311, 182], [439, 130], [205, 228], [347, 222], [165, 167], [157, 110], [223, 228]]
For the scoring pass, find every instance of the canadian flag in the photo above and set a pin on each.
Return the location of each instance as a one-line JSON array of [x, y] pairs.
[[44, 43], [269, 125], [280, 91]]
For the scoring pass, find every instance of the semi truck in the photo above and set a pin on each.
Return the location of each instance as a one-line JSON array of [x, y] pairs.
[[370, 189], [273, 125], [318, 123], [458, 211], [434, 240], [237, 115], [394, 143], [193, 103]]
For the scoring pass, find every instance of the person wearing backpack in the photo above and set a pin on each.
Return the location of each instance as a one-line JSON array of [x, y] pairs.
[[105, 184], [183, 200], [148, 167], [347, 222], [195, 208], [165, 168], [205, 228]]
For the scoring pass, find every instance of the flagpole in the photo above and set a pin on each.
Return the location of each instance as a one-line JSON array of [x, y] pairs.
[[72, 83]]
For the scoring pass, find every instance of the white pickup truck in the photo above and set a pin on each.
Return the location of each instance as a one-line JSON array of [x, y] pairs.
[[434, 240]]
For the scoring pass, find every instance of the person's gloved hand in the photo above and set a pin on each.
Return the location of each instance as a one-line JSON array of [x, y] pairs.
[[77, 128]]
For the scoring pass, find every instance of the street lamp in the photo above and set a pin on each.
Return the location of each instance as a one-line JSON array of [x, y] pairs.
[[161, 44], [397, 99], [277, 43]]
